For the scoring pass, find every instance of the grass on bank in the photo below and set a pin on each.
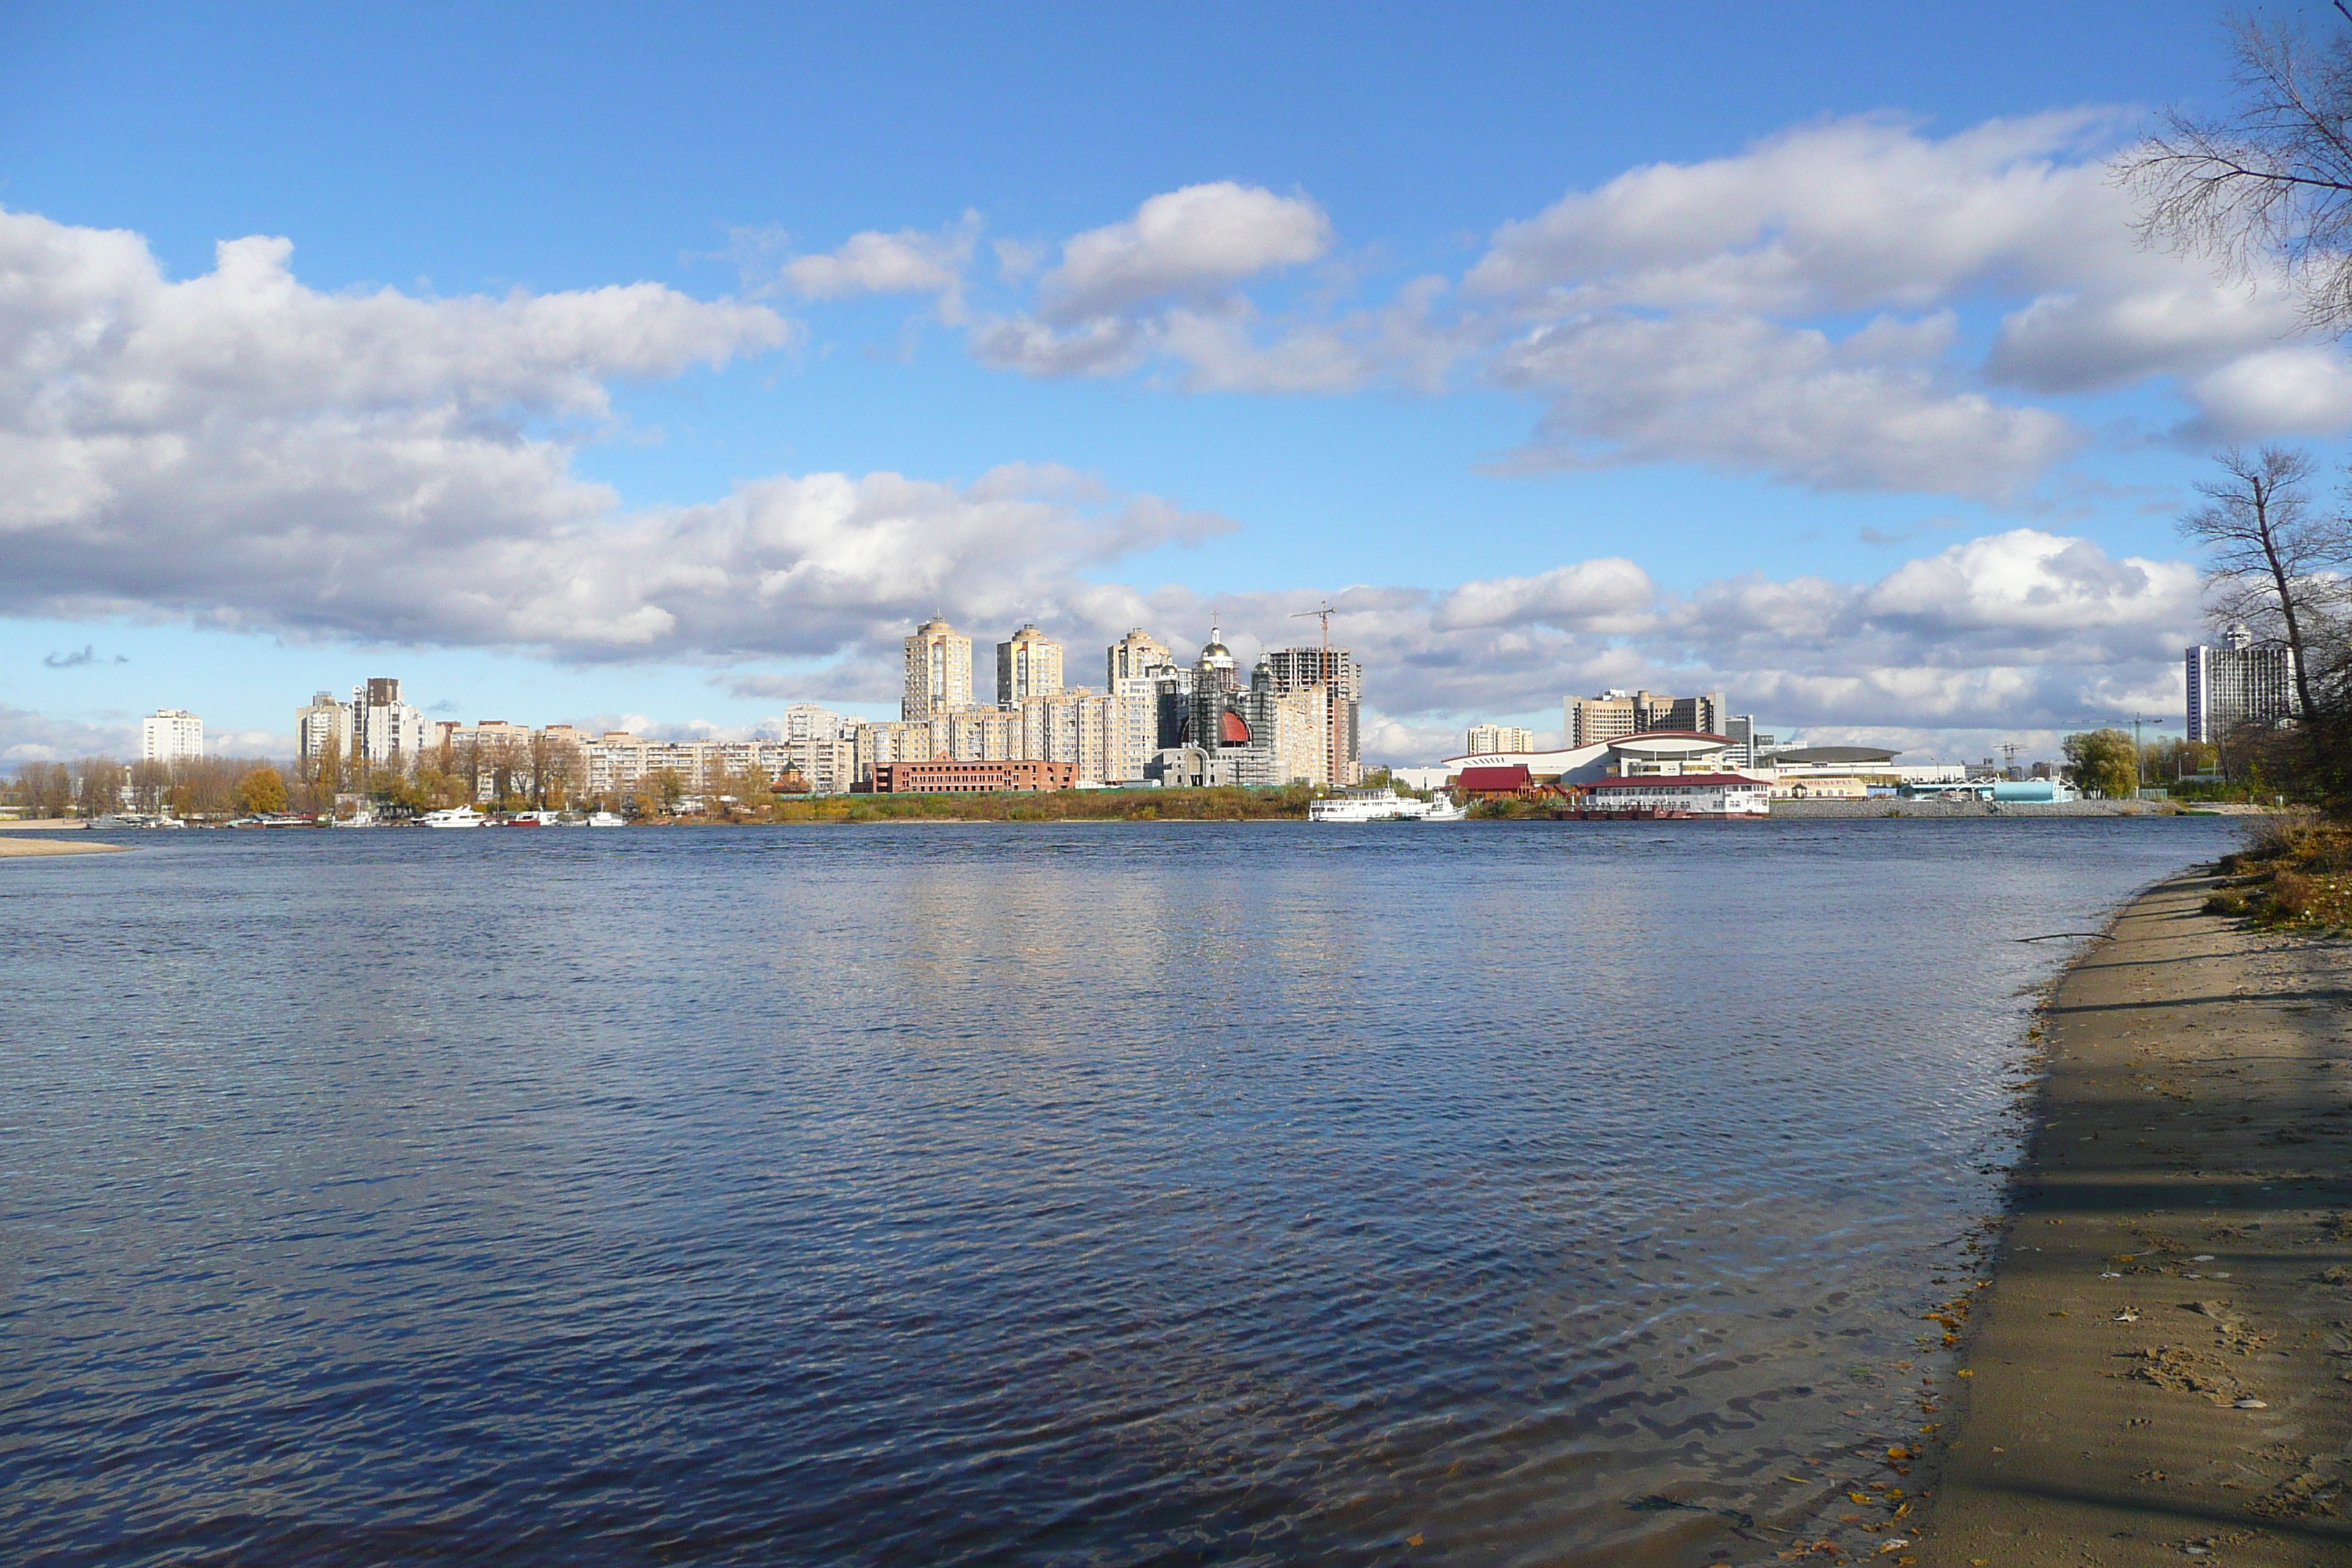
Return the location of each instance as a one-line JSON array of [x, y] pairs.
[[2295, 872]]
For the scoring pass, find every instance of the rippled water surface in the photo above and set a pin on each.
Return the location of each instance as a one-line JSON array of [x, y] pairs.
[[1057, 1194]]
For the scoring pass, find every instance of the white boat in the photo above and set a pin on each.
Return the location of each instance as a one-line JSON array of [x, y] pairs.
[[1381, 806], [358, 819], [456, 816], [607, 819], [120, 819]]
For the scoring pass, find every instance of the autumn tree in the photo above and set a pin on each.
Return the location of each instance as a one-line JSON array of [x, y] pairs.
[[46, 788], [98, 784], [667, 789], [558, 772], [2102, 759], [261, 791]]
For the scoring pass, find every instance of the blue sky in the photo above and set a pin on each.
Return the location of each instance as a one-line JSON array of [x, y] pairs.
[[1422, 337]]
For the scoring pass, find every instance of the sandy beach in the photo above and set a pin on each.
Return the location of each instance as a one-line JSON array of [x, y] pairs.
[[2160, 1367], [14, 848]]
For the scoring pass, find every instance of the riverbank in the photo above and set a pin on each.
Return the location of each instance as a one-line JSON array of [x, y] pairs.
[[1884, 806], [2159, 1365], [26, 848]]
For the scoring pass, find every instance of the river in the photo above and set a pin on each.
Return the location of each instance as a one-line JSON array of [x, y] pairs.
[[1501, 1192]]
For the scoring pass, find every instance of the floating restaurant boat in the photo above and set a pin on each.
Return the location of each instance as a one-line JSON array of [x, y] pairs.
[[1654, 797], [1382, 805]]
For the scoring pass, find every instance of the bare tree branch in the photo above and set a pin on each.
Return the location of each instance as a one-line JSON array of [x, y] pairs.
[[2270, 182]]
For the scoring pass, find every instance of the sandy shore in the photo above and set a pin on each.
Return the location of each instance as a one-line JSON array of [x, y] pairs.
[[2157, 1370], [21, 849]]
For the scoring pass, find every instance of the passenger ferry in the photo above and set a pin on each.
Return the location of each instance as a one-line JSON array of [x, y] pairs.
[[1382, 805]]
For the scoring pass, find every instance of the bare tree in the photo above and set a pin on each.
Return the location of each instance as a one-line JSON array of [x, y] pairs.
[[2272, 564], [2269, 181]]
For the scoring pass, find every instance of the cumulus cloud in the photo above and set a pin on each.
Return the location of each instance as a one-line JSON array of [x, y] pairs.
[[1163, 282], [245, 452], [240, 450], [1188, 243], [910, 261], [2022, 631], [1702, 311], [1843, 215], [29, 737], [1741, 393]]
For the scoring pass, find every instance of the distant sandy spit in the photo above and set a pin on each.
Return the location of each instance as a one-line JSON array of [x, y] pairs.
[[2157, 1368], [23, 848]]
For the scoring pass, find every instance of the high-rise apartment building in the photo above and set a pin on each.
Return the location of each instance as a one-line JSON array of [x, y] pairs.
[[1028, 665], [1151, 694], [324, 728], [1078, 727], [938, 673], [1613, 715], [1139, 653], [2238, 684], [1294, 670], [808, 721], [383, 728], [169, 735], [1484, 739]]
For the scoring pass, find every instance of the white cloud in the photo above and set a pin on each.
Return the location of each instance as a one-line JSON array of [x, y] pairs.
[[240, 450], [1698, 313], [1188, 243], [26, 736], [910, 261], [245, 452], [1739, 392], [1859, 214], [1608, 595], [1164, 283]]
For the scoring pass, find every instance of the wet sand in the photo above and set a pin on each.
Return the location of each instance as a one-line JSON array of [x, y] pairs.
[[20, 848], [2158, 1368]]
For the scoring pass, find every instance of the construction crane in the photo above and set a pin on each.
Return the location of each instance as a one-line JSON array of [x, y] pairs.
[[1335, 747]]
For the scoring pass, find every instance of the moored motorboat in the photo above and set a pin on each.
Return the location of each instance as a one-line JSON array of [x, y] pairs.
[[606, 819], [455, 816]]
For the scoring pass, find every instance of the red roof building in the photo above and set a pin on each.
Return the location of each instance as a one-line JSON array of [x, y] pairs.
[[1501, 781]]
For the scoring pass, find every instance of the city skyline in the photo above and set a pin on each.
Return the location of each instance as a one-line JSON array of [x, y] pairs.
[[1564, 420]]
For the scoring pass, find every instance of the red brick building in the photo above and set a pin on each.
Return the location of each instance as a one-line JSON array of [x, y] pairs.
[[943, 777]]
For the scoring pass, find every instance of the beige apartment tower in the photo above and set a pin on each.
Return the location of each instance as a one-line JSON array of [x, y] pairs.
[[939, 672], [1030, 665], [1486, 737], [1613, 715], [1137, 655]]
